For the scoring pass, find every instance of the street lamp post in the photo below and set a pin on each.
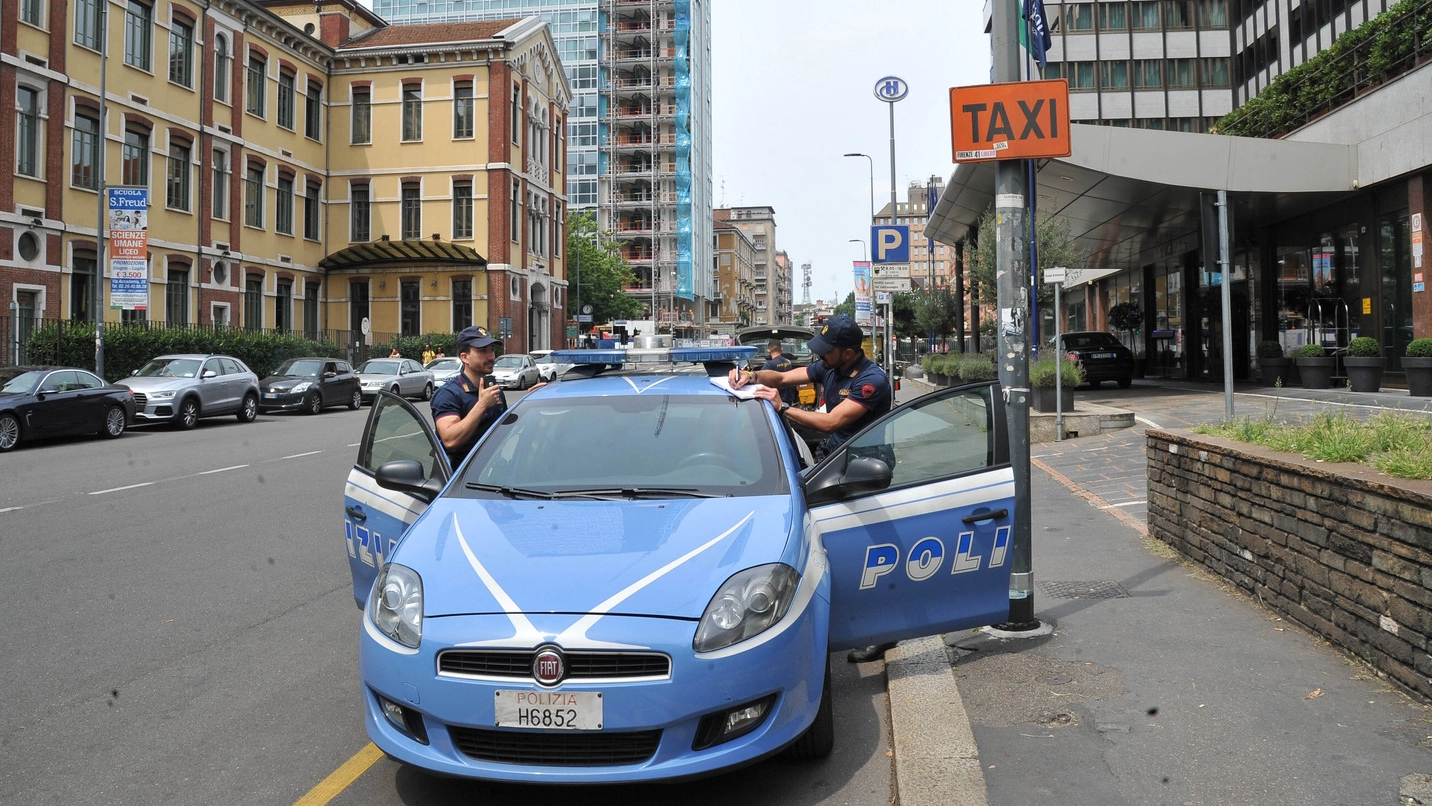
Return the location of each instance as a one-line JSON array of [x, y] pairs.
[[864, 255], [872, 182]]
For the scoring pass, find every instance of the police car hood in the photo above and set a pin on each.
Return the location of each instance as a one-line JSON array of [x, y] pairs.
[[648, 558]]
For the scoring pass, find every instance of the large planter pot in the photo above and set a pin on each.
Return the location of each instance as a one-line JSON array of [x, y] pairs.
[[1317, 372], [1276, 371], [1419, 375], [1044, 399], [1364, 374]]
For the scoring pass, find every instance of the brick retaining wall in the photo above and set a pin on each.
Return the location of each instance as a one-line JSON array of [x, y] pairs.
[[1338, 548]]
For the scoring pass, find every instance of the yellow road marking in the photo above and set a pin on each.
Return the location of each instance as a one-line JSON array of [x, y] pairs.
[[330, 787]]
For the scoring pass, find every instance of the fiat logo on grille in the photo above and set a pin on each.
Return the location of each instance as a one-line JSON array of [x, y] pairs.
[[548, 666]]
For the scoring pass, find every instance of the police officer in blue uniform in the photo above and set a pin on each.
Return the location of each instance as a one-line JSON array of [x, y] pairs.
[[780, 363], [466, 406], [857, 392]]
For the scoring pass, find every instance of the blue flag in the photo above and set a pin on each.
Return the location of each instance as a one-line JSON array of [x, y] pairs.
[[1038, 26]]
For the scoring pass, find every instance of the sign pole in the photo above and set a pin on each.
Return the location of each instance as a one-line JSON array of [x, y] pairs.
[[891, 90], [1225, 266], [101, 203]]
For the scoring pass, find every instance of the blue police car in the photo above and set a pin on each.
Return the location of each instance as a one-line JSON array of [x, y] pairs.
[[637, 575]]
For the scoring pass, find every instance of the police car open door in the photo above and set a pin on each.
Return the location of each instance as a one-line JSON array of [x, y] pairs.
[[375, 518], [930, 552]]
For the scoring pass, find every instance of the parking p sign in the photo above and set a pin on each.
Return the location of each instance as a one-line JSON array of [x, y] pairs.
[[890, 244]]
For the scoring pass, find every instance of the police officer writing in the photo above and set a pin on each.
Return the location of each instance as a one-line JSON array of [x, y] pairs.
[[857, 392], [780, 363], [466, 406]]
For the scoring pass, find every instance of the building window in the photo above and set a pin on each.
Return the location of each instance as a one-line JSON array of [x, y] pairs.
[[285, 100], [516, 113], [32, 11], [1080, 75], [82, 287], [1144, 15], [27, 136], [358, 198], [515, 210], [85, 152], [283, 306], [357, 306], [1148, 73], [362, 128], [1078, 17], [1214, 72], [1182, 74], [134, 316], [138, 35], [220, 208], [1114, 75], [410, 303], [412, 112], [177, 188], [221, 69], [1113, 16], [310, 212], [134, 156], [462, 110], [87, 23], [310, 311], [254, 86], [181, 53], [462, 210], [559, 229], [1212, 14], [254, 197], [254, 303], [1178, 14], [412, 211], [313, 112], [283, 205], [176, 297], [461, 304]]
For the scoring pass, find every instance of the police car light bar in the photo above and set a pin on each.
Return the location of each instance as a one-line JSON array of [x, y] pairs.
[[674, 355]]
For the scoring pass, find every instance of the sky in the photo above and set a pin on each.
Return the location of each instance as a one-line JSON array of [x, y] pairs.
[[793, 90]]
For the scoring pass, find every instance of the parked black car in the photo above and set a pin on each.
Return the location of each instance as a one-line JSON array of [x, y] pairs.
[[309, 384], [1103, 357], [43, 401]]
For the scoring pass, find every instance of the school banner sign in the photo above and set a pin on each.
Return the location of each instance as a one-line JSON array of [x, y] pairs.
[[129, 248]]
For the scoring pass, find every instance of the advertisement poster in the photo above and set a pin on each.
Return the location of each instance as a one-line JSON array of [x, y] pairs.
[[862, 293], [129, 248]]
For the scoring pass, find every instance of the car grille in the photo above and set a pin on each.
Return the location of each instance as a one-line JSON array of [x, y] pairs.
[[580, 665], [565, 749], [140, 400]]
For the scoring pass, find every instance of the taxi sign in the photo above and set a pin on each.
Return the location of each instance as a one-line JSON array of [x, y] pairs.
[[1011, 121]]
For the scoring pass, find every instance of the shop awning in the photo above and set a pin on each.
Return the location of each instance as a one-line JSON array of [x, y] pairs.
[[1131, 196], [413, 252]]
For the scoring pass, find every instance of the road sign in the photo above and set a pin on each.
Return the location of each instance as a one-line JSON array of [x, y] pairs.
[[584, 317], [882, 297], [890, 243], [1055, 275], [890, 270], [899, 285], [891, 89], [1013, 121]]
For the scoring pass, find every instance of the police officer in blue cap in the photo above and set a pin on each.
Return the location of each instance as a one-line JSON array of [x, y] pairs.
[[466, 406]]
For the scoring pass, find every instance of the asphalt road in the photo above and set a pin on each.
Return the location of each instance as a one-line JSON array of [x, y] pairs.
[[181, 629]]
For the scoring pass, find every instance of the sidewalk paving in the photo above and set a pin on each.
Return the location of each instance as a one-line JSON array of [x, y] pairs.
[[1158, 683]]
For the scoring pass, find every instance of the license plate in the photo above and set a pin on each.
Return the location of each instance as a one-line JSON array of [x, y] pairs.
[[549, 710], [269, 395], [1101, 355]]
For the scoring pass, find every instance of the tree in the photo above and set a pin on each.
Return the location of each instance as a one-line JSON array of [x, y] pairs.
[[847, 307], [599, 273], [1055, 248], [935, 310]]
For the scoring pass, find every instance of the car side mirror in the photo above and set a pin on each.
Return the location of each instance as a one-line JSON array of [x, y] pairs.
[[330, 374], [407, 476], [859, 474], [133, 372], [209, 373], [48, 390]]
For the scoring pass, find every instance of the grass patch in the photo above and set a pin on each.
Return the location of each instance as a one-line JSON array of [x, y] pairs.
[[1394, 443]]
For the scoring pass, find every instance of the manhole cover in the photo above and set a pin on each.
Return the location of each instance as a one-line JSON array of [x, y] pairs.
[[1101, 589]]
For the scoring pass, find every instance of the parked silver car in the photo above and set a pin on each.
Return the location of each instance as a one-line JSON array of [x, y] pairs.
[[516, 371], [182, 388], [549, 366], [400, 376], [444, 369]]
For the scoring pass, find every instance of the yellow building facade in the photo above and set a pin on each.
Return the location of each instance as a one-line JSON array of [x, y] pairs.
[[308, 167]]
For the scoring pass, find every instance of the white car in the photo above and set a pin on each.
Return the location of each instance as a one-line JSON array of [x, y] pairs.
[[444, 369], [516, 371], [548, 365]]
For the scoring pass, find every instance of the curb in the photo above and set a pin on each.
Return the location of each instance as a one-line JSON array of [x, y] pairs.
[[936, 760]]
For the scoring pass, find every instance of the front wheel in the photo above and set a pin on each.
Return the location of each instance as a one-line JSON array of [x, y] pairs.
[[315, 403], [188, 415], [249, 409], [1126, 381], [113, 422], [9, 432], [356, 401], [428, 392]]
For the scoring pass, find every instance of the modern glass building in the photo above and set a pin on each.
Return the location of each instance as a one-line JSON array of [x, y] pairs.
[[639, 130]]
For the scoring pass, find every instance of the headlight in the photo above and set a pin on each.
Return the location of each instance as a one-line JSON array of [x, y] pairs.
[[396, 604], [302, 387], [164, 395], [746, 605]]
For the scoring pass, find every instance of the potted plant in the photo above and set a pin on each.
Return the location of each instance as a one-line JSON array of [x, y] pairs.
[[1417, 363], [1042, 377], [1364, 364], [1315, 366], [1127, 317], [1276, 367], [975, 368]]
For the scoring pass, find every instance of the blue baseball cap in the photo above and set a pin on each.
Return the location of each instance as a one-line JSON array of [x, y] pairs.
[[474, 337], [838, 331]]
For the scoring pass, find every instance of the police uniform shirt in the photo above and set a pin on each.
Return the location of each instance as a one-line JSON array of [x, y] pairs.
[[458, 396], [865, 383], [782, 364]]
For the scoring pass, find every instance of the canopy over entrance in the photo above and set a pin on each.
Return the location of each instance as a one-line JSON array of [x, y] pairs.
[[385, 252]]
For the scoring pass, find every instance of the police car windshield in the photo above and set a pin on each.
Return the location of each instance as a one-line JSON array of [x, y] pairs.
[[682, 445]]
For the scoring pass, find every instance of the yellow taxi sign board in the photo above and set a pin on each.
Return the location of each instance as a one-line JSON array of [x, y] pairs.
[[1013, 121]]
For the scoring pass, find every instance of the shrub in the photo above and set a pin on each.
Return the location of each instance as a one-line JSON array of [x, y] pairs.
[[1312, 351], [1419, 348], [1270, 349], [1126, 316], [976, 368], [1364, 347], [1042, 373]]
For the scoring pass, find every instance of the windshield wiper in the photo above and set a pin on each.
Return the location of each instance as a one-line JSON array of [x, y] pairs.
[[510, 492], [643, 492]]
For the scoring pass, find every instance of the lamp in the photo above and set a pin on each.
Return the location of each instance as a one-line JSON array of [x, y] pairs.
[[863, 254], [872, 183]]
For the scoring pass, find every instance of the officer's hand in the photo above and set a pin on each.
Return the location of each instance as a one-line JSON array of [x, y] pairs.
[[488, 396], [768, 393], [737, 378]]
